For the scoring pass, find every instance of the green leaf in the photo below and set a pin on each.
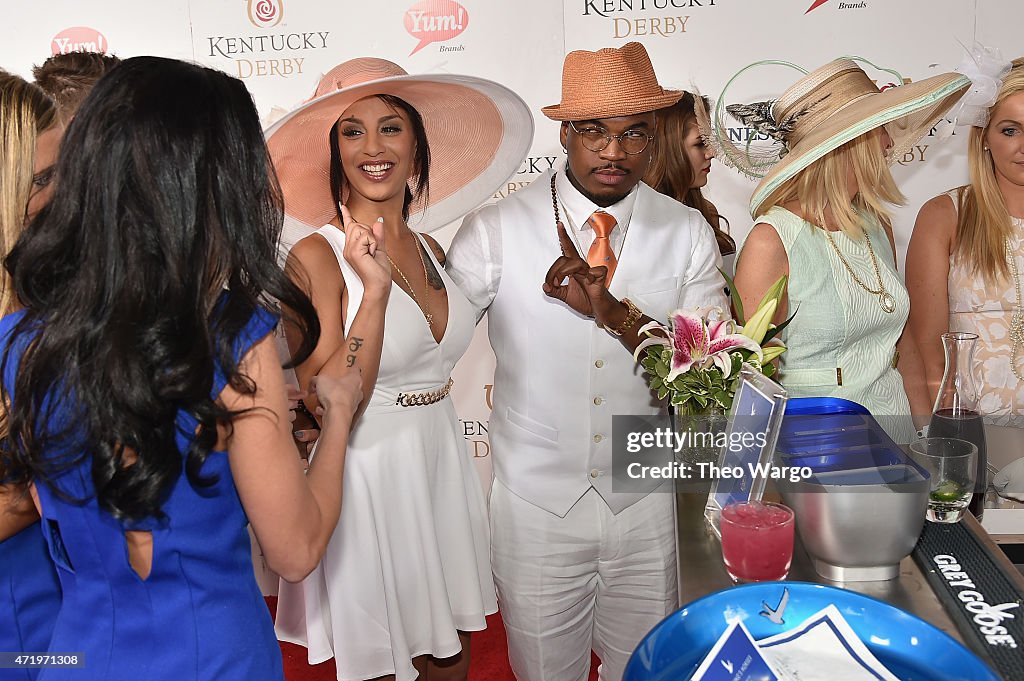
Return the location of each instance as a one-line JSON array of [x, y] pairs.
[[774, 292], [662, 393], [737, 303], [773, 332]]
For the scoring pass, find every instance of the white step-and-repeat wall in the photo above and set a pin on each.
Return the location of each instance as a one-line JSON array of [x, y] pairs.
[[281, 47]]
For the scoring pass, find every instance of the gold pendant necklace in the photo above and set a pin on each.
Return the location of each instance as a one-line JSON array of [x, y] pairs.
[[885, 299], [419, 251]]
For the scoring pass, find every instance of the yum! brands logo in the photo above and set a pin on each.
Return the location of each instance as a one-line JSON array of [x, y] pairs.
[[435, 21], [842, 5], [79, 39], [266, 13]]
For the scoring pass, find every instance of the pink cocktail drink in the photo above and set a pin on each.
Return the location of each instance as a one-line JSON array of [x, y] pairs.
[[757, 541]]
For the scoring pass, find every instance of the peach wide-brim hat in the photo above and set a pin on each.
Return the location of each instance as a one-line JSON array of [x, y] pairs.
[[608, 83], [479, 133]]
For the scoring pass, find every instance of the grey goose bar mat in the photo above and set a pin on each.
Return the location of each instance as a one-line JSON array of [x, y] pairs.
[[983, 603]]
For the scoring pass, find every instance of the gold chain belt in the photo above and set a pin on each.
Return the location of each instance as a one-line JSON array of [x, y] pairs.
[[424, 398]]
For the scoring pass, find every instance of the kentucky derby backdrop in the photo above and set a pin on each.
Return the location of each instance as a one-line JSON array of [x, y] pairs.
[[279, 48]]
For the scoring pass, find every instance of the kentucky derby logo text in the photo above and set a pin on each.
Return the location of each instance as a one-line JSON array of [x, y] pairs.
[[265, 55], [624, 24], [266, 13], [79, 39], [435, 21], [531, 167]]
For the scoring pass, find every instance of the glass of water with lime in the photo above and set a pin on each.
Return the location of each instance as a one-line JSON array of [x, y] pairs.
[[951, 466]]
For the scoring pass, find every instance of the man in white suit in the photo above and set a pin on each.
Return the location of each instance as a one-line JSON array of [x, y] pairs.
[[578, 566]]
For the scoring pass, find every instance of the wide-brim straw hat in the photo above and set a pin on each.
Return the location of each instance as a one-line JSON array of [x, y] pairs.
[[608, 83], [479, 133], [822, 111]]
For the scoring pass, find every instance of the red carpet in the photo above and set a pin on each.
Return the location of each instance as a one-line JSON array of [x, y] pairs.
[[489, 657]]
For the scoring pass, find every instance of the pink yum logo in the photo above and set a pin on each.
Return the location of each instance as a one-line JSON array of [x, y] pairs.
[[78, 39], [433, 21], [265, 13]]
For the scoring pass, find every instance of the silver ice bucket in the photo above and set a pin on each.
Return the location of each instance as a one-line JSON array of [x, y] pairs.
[[857, 525]]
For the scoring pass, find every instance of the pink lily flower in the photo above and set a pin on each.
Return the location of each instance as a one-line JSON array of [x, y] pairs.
[[698, 340]]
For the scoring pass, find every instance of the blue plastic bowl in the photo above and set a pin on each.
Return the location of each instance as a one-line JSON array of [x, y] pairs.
[[824, 405], [829, 434], [844, 458], [908, 646]]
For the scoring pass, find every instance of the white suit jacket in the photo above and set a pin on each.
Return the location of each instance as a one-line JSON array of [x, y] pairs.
[[559, 378]]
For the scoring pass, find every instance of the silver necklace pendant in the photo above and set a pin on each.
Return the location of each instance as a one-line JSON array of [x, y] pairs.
[[887, 302]]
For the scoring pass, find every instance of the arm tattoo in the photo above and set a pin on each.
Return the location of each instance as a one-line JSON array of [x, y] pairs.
[[353, 345]]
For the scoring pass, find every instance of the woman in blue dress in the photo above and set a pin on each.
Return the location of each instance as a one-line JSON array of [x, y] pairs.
[[147, 402], [29, 591]]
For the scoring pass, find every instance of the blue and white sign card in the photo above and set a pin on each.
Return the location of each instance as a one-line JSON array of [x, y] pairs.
[[735, 658], [823, 646], [824, 641]]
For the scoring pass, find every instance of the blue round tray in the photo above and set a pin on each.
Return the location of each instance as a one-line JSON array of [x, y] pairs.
[[908, 646]]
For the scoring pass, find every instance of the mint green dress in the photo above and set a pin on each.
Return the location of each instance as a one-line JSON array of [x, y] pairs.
[[841, 343]]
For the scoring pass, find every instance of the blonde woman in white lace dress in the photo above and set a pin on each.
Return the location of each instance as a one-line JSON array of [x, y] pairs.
[[964, 267]]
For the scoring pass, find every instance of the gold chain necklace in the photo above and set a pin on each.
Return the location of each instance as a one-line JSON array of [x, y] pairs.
[[558, 218], [885, 299], [426, 284], [1017, 319]]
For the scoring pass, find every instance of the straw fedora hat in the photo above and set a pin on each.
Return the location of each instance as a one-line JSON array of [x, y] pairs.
[[608, 83], [479, 133], [825, 109]]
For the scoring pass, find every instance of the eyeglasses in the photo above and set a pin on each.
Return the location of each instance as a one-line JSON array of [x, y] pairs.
[[595, 139]]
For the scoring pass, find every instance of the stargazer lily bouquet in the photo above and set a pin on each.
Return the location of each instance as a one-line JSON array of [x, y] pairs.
[[695, 360]]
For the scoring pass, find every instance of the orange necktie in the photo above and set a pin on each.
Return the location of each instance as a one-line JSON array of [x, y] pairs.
[[601, 250]]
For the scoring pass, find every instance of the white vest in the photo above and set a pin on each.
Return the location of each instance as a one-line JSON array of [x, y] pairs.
[[559, 378]]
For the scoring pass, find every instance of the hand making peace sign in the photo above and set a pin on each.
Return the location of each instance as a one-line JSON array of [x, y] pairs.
[[573, 281]]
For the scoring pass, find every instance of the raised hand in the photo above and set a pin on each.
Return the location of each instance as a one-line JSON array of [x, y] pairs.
[[365, 251], [573, 281]]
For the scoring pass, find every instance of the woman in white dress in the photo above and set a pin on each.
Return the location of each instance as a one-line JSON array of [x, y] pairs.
[[407, 576]]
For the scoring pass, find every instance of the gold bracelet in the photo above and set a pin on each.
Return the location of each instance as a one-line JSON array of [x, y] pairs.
[[633, 315]]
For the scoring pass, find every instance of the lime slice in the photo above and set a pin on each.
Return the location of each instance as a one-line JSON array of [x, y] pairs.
[[948, 490]]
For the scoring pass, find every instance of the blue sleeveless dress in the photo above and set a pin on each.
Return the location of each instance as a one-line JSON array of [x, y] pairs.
[[199, 614], [29, 598]]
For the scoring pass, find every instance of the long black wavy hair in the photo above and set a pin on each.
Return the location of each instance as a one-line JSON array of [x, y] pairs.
[[159, 245], [420, 161]]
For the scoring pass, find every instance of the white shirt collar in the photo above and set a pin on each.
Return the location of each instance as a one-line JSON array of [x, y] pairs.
[[577, 208]]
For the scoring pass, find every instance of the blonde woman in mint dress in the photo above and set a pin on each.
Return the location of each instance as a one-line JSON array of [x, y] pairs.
[[821, 218]]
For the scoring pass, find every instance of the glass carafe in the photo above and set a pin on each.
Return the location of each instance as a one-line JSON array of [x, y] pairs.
[[956, 407]]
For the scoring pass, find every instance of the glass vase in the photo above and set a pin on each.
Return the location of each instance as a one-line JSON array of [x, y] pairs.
[[955, 413]]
